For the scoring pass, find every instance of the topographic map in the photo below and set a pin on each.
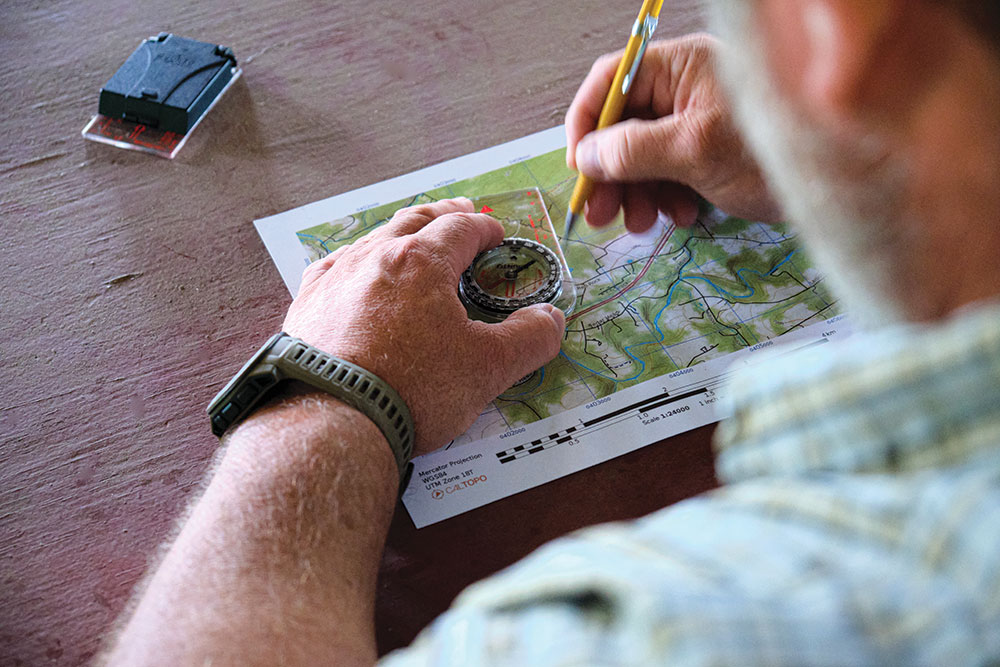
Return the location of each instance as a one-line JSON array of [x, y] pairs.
[[646, 305]]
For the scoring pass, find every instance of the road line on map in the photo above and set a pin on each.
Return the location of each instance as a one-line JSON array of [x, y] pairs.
[[656, 251]]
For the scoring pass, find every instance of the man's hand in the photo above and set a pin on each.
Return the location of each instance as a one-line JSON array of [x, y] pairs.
[[679, 136], [389, 303]]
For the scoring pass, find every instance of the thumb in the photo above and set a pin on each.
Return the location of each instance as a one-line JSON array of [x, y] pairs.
[[525, 341], [637, 150]]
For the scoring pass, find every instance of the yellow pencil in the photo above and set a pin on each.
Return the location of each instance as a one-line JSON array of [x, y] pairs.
[[614, 104]]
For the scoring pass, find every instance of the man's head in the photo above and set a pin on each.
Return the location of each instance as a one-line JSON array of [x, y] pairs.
[[877, 122]]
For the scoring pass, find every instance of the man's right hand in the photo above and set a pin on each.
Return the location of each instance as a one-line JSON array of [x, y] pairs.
[[678, 138]]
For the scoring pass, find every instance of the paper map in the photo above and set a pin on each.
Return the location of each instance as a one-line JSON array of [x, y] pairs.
[[659, 320]]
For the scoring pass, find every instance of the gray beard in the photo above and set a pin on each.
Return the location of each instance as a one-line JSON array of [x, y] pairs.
[[843, 199]]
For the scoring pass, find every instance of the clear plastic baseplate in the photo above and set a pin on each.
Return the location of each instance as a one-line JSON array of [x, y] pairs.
[[524, 215], [138, 137]]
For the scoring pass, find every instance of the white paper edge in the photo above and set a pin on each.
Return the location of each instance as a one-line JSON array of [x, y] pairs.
[[278, 231]]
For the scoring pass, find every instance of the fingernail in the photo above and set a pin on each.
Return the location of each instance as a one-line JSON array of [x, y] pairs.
[[554, 313], [586, 157]]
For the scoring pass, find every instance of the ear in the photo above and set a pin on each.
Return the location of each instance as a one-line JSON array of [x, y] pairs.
[[828, 56]]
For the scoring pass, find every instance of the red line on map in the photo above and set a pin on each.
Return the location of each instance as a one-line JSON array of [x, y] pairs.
[[635, 281]]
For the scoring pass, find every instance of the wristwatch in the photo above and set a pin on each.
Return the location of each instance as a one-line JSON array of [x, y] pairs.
[[284, 357]]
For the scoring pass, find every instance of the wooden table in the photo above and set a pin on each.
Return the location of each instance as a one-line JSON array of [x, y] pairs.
[[134, 286]]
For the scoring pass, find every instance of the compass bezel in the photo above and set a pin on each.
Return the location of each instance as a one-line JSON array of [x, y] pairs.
[[472, 293]]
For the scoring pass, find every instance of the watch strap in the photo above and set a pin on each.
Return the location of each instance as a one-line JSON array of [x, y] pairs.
[[286, 357]]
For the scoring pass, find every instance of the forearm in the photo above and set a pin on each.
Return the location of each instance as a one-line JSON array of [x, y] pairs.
[[278, 560]]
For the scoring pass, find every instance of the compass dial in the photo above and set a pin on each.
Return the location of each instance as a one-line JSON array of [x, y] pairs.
[[515, 274]]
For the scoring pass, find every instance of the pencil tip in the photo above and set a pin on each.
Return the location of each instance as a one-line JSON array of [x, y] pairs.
[[570, 221]]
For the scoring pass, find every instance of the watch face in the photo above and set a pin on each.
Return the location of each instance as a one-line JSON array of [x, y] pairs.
[[515, 274]]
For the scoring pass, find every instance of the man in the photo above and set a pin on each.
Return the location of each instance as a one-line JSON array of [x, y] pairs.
[[861, 520]]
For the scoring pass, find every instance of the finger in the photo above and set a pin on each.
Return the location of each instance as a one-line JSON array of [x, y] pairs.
[[310, 275], [459, 237], [679, 202], [581, 118], [603, 204], [639, 206], [656, 85], [670, 72], [316, 269], [524, 342], [640, 150], [413, 218]]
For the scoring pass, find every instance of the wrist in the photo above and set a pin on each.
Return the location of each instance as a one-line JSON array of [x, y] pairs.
[[284, 357], [298, 423]]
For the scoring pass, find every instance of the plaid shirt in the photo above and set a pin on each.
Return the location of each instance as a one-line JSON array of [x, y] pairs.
[[860, 525]]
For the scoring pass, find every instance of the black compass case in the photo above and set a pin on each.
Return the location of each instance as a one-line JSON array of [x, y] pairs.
[[169, 82]]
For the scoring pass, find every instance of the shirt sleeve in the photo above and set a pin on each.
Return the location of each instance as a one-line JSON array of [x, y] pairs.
[[830, 569]]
